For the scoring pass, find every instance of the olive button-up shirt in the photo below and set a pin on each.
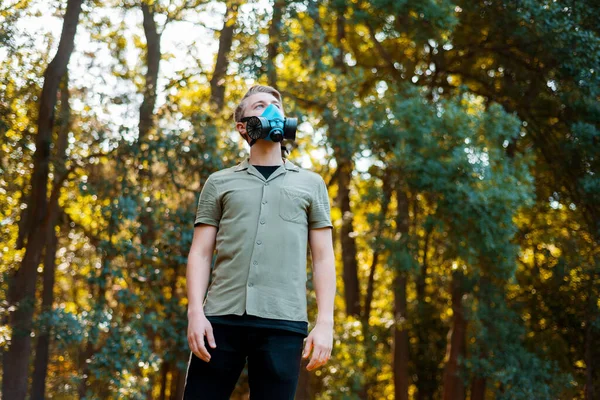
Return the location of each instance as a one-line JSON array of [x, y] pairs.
[[262, 238]]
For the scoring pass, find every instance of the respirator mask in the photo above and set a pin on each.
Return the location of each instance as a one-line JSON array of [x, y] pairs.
[[271, 125]]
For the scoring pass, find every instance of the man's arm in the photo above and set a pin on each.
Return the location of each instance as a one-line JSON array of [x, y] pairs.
[[198, 266], [197, 277], [324, 280]]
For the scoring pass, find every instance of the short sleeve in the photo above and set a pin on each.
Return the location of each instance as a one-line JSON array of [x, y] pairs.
[[319, 215], [209, 205]]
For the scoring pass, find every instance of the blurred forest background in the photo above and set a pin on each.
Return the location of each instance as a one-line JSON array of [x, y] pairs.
[[459, 140]]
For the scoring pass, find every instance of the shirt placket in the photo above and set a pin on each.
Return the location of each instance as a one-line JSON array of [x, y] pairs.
[[259, 244]]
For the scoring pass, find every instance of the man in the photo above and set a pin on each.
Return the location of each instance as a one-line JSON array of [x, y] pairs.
[[259, 215]]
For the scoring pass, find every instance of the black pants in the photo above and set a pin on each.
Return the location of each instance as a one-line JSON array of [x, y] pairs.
[[273, 355]]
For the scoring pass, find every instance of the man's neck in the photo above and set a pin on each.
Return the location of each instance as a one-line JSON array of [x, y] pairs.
[[266, 153]]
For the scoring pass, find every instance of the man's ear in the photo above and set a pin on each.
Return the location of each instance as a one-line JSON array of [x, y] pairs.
[[241, 128]]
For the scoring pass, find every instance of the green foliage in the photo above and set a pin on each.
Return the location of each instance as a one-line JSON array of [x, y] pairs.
[[484, 115]]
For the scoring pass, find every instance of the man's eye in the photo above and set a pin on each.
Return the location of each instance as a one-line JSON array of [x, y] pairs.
[[260, 105]]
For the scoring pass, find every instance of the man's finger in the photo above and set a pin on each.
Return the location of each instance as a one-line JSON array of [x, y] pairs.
[[192, 343], [205, 355], [322, 359], [307, 347], [197, 349], [314, 361], [211, 337]]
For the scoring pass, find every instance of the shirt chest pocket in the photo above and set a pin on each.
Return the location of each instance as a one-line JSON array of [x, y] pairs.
[[293, 205]]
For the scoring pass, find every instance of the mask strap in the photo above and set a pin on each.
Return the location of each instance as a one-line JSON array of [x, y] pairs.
[[245, 119]]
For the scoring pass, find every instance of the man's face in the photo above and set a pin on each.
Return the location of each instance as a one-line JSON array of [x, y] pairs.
[[255, 105]]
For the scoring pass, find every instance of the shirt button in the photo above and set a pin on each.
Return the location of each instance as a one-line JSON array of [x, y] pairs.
[[266, 183], [250, 284], [264, 202], [255, 262], [259, 242], [262, 221]]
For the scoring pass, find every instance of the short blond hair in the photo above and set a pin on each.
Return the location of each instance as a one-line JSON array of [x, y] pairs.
[[239, 110]]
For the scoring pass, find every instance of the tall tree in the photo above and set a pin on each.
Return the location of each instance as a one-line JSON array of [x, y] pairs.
[[38, 386], [22, 287], [454, 387], [342, 149], [401, 319], [274, 40], [217, 81]]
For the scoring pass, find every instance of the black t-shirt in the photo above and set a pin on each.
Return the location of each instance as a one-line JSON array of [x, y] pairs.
[[266, 170], [253, 320]]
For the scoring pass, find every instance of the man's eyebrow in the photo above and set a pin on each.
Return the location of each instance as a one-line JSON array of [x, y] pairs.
[[262, 101]]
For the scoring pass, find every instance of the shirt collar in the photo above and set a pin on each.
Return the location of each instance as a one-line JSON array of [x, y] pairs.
[[290, 166]]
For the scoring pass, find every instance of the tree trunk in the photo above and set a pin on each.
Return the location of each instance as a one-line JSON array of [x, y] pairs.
[[43, 343], [85, 353], [401, 348], [146, 123], [589, 367], [344, 177], [274, 39], [21, 292], [146, 126], [340, 35], [178, 384], [453, 385], [400, 339], [350, 265], [38, 386], [370, 356], [425, 362], [478, 389], [217, 82], [164, 374], [588, 346]]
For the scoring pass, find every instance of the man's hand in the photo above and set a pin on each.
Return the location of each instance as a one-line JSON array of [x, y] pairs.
[[198, 326], [320, 340]]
